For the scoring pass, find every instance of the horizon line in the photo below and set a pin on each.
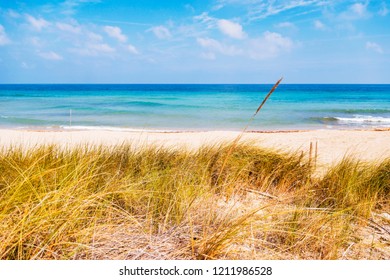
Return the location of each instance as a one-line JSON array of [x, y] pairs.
[[5, 84]]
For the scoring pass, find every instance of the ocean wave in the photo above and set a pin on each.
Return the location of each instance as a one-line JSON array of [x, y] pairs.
[[145, 103], [357, 119], [360, 111], [158, 104], [364, 119], [21, 120]]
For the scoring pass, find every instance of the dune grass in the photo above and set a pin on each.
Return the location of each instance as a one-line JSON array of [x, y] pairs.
[[159, 203]]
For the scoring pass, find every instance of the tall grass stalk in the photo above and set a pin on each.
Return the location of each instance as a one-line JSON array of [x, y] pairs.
[[238, 138]]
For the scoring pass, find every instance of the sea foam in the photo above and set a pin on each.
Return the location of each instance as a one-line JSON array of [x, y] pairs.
[[364, 119]]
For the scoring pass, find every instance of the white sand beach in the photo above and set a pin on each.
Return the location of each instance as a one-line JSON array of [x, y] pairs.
[[333, 145]]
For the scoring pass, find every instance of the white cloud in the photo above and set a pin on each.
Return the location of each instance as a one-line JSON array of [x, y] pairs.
[[4, 40], [356, 11], [374, 47], [215, 45], [161, 32], [115, 32], [13, 14], [383, 11], [319, 25], [35, 41], [68, 28], [93, 49], [227, 27], [94, 37], [102, 48], [37, 23], [359, 9], [217, 7], [50, 55], [93, 44], [189, 8], [27, 66], [208, 55], [285, 24], [270, 45], [262, 9], [230, 28], [132, 49], [206, 19], [208, 42], [69, 7]]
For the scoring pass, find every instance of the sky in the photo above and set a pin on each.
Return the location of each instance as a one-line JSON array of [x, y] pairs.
[[194, 41]]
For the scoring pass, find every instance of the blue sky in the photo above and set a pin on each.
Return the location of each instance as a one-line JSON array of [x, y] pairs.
[[194, 41]]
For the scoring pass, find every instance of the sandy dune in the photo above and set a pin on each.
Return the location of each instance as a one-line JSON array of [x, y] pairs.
[[333, 145]]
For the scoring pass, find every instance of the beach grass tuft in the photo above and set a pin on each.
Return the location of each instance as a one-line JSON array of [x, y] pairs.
[[121, 202]]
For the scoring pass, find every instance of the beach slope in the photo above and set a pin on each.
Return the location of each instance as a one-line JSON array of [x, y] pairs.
[[332, 145]]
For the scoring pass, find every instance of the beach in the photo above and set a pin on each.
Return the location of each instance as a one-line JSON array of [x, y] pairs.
[[332, 145], [198, 130], [104, 194], [149, 172]]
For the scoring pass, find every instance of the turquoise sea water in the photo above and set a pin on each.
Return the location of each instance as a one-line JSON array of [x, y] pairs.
[[193, 107]]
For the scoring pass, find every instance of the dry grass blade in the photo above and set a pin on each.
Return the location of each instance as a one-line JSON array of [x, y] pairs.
[[261, 105], [149, 203], [268, 95]]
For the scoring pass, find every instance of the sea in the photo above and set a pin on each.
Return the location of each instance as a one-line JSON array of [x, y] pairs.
[[193, 107]]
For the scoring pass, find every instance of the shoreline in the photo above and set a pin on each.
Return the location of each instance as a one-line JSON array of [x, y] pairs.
[[192, 130], [333, 144]]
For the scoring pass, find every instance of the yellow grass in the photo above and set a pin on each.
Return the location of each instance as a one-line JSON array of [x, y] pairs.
[[156, 203]]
